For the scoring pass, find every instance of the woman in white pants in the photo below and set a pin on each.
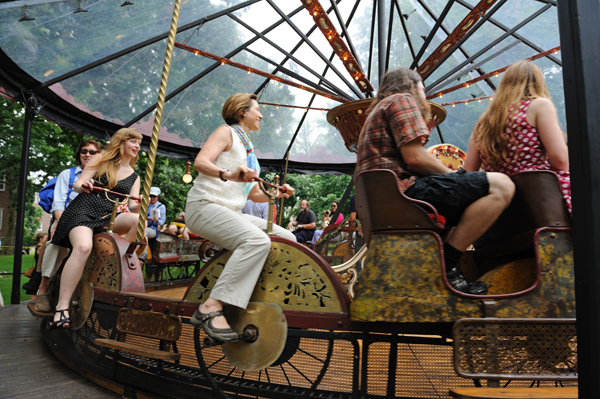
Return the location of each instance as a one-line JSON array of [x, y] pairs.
[[227, 167]]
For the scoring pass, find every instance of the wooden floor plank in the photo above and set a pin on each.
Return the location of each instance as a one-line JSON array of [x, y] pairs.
[[27, 367]]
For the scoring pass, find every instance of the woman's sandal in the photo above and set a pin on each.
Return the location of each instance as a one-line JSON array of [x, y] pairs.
[[205, 320], [64, 322]]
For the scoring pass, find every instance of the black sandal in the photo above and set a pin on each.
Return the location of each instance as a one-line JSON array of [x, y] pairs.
[[205, 320], [64, 322]]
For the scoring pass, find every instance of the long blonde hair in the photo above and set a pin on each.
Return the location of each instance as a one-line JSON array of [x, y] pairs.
[[523, 80], [111, 156]]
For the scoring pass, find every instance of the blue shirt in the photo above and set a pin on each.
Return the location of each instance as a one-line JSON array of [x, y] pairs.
[[62, 188], [258, 209], [163, 212]]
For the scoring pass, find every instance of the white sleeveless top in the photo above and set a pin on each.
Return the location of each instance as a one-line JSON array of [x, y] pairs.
[[230, 194]]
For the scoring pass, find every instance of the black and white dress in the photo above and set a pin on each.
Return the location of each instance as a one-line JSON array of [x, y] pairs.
[[90, 210]]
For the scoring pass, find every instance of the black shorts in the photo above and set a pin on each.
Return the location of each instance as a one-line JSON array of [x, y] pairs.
[[450, 193]]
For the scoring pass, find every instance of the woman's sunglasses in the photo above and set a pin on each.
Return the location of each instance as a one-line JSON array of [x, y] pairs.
[[83, 151]]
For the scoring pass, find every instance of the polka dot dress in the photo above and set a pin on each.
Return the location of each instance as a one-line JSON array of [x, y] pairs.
[[91, 210], [527, 147]]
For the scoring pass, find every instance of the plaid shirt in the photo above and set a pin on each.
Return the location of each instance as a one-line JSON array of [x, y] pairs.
[[395, 121]]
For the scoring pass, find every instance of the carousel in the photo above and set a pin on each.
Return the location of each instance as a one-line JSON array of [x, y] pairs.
[[343, 320]]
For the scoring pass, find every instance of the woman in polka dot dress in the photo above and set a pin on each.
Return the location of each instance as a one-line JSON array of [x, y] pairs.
[[519, 131], [114, 169]]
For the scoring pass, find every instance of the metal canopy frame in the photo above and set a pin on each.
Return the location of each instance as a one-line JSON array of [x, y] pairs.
[[321, 82]]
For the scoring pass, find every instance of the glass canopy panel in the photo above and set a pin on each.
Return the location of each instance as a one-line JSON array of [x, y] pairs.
[[124, 87], [60, 41]]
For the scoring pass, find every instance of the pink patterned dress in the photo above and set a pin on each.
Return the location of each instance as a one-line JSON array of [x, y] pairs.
[[530, 153]]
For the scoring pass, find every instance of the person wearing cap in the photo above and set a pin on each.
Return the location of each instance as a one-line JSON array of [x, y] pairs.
[[156, 215]]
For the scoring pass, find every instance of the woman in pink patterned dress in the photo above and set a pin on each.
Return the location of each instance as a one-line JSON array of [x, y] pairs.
[[519, 131]]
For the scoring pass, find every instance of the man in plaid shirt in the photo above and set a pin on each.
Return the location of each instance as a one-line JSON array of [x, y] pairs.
[[393, 137]]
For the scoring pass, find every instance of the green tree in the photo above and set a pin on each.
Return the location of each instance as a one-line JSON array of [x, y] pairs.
[[52, 150]]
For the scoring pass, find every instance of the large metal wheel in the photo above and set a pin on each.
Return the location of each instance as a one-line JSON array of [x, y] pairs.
[[299, 371]]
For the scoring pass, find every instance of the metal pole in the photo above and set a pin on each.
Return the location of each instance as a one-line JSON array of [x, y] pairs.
[[30, 112], [381, 48], [579, 41], [162, 92]]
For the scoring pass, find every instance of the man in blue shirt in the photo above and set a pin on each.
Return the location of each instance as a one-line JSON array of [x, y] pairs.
[[53, 255], [258, 209], [156, 215]]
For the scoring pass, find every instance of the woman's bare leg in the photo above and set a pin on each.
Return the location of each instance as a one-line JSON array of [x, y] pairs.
[[81, 240], [126, 223]]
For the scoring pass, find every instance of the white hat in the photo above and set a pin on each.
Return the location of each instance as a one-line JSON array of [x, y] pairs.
[[155, 191]]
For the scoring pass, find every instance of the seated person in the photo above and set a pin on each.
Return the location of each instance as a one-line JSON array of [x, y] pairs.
[[113, 168], [177, 227], [529, 136], [258, 209], [393, 138], [156, 214], [305, 223], [327, 215]]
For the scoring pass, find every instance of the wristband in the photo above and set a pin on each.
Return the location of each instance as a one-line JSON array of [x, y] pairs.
[[221, 174]]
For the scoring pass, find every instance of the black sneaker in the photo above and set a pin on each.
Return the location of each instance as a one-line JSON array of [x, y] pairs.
[[462, 283]]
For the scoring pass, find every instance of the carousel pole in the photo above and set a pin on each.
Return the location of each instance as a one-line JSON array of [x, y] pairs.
[[31, 110], [381, 47], [579, 41], [141, 230]]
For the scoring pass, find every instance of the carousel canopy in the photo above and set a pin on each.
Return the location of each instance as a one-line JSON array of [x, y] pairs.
[[95, 65]]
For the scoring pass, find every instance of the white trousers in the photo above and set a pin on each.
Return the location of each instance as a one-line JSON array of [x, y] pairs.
[[53, 257], [242, 234]]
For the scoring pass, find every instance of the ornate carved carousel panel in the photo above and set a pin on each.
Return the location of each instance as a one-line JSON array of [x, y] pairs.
[[292, 277], [110, 267]]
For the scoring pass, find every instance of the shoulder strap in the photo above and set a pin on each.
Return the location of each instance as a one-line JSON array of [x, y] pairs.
[[71, 182]]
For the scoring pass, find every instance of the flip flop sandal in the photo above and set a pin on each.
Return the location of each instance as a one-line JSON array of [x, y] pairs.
[[205, 320]]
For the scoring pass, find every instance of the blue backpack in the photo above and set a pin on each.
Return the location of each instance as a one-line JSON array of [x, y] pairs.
[[47, 193]]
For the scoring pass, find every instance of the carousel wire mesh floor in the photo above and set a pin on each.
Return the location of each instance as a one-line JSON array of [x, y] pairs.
[[28, 369]]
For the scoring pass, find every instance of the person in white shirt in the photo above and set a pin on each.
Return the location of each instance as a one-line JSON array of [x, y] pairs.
[[228, 167]]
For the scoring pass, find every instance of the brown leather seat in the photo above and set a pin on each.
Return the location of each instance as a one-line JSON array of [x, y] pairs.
[[382, 206], [538, 202]]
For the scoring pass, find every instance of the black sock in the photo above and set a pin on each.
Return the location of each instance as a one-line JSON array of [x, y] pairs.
[[451, 256]]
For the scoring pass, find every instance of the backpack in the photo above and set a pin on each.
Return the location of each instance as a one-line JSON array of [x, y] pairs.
[[47, 192]]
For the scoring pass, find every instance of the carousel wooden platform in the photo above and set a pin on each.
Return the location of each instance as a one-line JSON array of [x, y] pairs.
[[28, 369]]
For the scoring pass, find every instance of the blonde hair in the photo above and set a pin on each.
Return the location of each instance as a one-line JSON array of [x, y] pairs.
[[235, 106], [111, 156], [523, 80]]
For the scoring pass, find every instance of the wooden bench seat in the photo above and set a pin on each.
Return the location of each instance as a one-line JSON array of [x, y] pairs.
[[382, 206], [163, 327], [514, 393], [538, 203]]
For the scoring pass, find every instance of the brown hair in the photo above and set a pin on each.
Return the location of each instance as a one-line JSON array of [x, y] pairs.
[[401, 80], [235, 106], [83, 144], [39, 236], [523, 80], [112, 155]]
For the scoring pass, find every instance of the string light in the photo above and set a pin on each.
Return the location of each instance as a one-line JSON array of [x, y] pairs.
[[222, 62], [466, 84], [248, 72]]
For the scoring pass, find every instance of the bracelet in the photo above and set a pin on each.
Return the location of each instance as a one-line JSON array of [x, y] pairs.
[[221, 174]]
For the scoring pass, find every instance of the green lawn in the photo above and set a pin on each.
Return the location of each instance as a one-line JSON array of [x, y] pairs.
[[6, 265]]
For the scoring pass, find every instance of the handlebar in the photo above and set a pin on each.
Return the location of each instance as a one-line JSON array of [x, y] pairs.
[[96, 188], [281, 189]]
